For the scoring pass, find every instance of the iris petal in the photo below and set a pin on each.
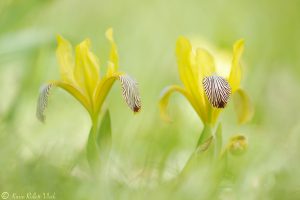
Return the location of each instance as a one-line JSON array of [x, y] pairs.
[[243, 106], [164, 100], [130, 91], [113, 63], [65, 58], [217, 90], [43, 101], [205, 66], [205, 63], [45, 92], [87, 68], [189, 75], [235, 73]]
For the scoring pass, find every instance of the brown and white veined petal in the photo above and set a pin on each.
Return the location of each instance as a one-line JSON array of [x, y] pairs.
[[130, 92], [43, 101], [217, 90]]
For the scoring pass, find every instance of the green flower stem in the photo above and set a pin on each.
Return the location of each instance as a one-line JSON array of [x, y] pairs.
[[206, 134], [204, 137], [99, 142], [91, 147], [218, 141], [95, 125]]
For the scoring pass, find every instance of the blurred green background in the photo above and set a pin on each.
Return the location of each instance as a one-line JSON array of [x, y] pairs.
[[147, 152]]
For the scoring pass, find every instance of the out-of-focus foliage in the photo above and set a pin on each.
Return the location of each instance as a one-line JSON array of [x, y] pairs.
[[148, 154]]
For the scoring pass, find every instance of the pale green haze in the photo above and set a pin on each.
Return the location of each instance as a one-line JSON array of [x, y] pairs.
[[147, 153]]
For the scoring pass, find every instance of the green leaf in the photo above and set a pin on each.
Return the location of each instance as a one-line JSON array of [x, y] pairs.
[[202, 151], [92, 149], [99, 142], [104, 136], [218, 141]]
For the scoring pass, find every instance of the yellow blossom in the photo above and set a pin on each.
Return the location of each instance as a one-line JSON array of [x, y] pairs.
[[207, 89], [80, 76]]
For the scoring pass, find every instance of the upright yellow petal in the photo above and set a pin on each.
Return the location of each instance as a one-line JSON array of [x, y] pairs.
[[205, 63], [235, 73], [65, 58], [87, 68], [76, 93], [113, 57], [205, 66], [183, 53], [189, 74], [102, 90]]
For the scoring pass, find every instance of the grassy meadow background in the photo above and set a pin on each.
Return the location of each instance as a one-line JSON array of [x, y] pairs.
[[148, 152]]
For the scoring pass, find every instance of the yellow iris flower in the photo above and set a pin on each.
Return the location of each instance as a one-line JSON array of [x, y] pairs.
[[206, 90], [80, 76]]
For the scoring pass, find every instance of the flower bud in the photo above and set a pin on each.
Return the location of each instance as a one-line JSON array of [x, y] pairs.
[[237, 145]]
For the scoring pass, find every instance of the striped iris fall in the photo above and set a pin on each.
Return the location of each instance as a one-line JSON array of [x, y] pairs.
[[207, 91], [80, 76], [217, 90]]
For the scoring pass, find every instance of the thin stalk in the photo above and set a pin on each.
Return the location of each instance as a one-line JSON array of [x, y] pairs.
[[91, 146], [205, 135]]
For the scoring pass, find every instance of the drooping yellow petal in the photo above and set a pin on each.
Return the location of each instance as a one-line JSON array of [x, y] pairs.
[[76, 93], [164, 101], [45, 92], [87, 68], [113, 64], [129, 91], [243, 106], [235, 73], [65, 58]]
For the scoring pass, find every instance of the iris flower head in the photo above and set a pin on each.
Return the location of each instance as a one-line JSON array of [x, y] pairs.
[[237, 145], [80, 76], [206, 88]]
